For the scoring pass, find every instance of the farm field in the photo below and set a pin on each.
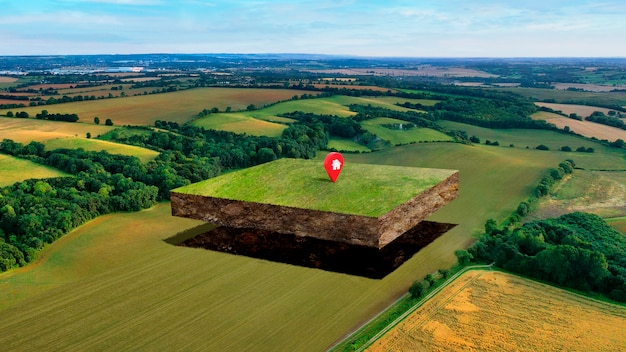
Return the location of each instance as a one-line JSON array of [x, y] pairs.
[[266, 121], [26, 130], [14, 169], [599, 192], [343, 144], [240, 123], [125, 292], [179, 106], [580, 110], [563, 96], [618, 223], [143, 154], [495, 311], [522, 138], [397, 136], [584, 128]]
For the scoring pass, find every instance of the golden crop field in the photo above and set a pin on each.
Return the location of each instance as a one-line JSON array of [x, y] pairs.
[[26, 130], [580, 110], [6, 79], [585, 128], [179, 106], [495, 311]]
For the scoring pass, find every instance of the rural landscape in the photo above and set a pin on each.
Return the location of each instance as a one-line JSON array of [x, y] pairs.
[[91, 256]]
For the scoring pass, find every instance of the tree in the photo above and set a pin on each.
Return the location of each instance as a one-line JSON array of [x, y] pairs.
[[108, 122], [88, 134], [10, 114], [566, 148], [228, 109], [96, 120], [542, 147], [251, 107], [475, 139], [418, 288], [463, 256]]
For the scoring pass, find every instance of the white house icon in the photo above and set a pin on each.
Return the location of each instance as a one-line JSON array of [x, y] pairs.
[[336, 164]]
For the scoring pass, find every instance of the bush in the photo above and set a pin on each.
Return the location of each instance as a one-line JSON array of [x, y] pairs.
[[542, 147], [566, 148]]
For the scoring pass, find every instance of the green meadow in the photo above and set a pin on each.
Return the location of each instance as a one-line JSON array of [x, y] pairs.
[[115, 284], [343, 144], [14, 169], [361, 189]]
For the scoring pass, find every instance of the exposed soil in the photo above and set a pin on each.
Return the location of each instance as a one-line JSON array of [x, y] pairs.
[[315, 253]]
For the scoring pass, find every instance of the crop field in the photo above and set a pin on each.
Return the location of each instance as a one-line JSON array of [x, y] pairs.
[[180, 106], [26, 130], [495, 311], [599, 192], [142, 154], [522, 138], [398, 136], [120, 289], [251, 122], [563, 96], [343, 144], [618, 223], [580, 110], [14, 169], [584, 128], [240, 123]]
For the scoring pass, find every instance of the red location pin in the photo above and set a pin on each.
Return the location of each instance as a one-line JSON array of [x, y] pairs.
[[333, 163]]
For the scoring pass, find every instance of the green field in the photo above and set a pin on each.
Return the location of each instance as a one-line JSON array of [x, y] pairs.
[[522, 138], [240, 123], [142, 154], [14, 169], [361, 189], [566, 96], [405, 136], [27, 130], [343, 144], [266, 122], [180, 106], [114, 285]]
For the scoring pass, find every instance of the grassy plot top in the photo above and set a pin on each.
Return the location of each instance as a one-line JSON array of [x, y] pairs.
[[361, 189]]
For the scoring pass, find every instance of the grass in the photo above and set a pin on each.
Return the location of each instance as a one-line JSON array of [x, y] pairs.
[[522, 138], [565, 96], [14, 169], [180, 106], [599, 192], [343, 144], [143, 154], [580, 110], [240, 123], [519, 314], [584, 128], [362, 189], [115, 284], [26, 130], [405, 136]]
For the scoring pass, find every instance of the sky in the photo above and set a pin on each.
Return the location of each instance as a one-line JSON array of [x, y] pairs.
[[388, 28]]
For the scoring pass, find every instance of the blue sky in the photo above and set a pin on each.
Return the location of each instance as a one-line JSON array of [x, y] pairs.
[[444, 28]]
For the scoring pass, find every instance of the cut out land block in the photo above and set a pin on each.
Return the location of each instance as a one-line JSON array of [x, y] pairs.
[[372, 206]]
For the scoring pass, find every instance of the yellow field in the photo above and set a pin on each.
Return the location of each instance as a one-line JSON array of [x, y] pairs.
[[179, 106], [26, 130], [5, 79], [142, 154], [585, 128], [494, 311], [580, 110], [14, 169]]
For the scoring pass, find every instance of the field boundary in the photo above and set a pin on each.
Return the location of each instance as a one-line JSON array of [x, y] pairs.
[[408, 311]]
